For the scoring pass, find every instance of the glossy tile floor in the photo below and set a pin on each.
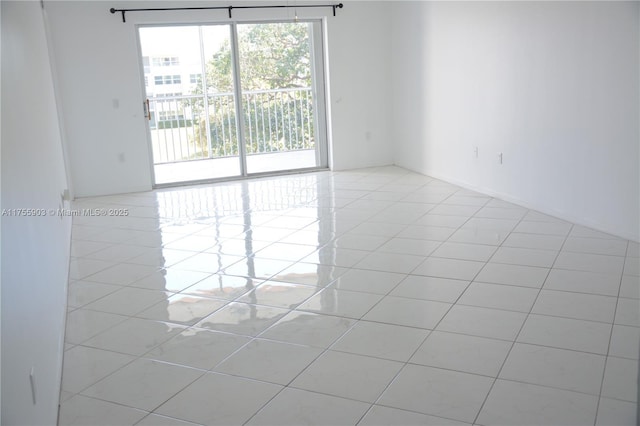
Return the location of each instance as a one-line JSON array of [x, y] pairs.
[[368, 297]]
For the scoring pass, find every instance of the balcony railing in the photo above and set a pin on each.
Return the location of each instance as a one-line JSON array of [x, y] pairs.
[[197, 127]]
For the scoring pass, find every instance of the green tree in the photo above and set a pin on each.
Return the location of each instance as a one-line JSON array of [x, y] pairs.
[[274, 61], [272, 56]]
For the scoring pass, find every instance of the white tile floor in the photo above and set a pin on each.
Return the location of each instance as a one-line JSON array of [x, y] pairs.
[[369, 297]]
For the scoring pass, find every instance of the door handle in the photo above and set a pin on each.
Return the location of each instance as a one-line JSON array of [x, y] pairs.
[[147, 110]]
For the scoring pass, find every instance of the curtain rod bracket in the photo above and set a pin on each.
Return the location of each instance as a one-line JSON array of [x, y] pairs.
[[114, 10]]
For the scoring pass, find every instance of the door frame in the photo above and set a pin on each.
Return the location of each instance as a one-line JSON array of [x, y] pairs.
[[317, 42]]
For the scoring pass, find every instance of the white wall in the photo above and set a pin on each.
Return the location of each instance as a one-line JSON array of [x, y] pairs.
[[360, 72], [552, 85], [35, 251], [98, 67]]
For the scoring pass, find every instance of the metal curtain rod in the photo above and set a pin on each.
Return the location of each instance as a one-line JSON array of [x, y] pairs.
[[229, 8]]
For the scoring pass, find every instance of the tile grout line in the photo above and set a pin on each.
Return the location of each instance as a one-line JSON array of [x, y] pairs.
[[515, 339], [325, 350], [613, 322], [407, 362]]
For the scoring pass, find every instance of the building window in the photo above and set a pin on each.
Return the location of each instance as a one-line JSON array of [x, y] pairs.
[[167, 79], [195, 78], [170, 115], [167, 61]]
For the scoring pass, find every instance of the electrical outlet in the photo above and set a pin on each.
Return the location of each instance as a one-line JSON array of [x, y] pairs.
[[475, 152], [499, 158]]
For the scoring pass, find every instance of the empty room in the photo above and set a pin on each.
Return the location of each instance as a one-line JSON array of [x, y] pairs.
[[320, 213]]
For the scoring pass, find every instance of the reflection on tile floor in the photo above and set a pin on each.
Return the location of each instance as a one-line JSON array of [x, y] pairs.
[[370, 297]]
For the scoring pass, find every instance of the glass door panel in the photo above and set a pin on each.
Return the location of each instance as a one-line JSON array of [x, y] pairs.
[[277, 89], [191, 121]]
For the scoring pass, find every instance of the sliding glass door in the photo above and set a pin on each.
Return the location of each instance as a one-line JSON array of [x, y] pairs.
[[233, 100]]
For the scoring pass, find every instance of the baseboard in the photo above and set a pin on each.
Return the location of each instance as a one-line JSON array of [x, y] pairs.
[[550, 212]]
